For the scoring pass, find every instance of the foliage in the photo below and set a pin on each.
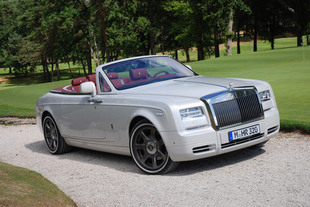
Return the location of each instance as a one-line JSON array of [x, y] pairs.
[[51, 32]]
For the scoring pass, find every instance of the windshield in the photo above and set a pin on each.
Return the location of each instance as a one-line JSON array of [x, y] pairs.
[[141, 71]]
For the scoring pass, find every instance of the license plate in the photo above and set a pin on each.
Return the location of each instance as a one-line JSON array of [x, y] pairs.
[[243, 133]]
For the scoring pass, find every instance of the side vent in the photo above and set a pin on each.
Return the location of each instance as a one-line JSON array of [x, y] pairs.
[[203, 148], [273, 129]]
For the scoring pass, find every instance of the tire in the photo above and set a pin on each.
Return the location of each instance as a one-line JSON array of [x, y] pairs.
[[54, 141], [148, 149]]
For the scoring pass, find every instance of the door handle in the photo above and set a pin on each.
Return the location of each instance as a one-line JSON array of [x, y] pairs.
[[95, 101]]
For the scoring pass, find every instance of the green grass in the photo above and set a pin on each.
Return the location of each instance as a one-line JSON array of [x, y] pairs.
[[22, 187], [20, 101]]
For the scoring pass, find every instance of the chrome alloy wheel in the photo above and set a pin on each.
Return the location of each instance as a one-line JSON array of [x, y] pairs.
[[148, 149], [51, 134]]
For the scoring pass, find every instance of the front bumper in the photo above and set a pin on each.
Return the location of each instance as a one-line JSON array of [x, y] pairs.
[[206, 142]]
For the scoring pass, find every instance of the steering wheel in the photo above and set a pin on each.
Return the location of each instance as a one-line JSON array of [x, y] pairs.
[[162, 71]]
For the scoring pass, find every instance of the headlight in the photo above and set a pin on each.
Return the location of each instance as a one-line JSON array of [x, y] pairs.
[[265, 95], [191, 113]]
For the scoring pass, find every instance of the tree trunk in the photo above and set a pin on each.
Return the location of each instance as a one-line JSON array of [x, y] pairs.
[[255, 35], [91, 48], [308, 41], [152, 43], [229, 30], [255, 41], [299, 35], [57, 69], [216, 43], [102, 49], [200, 40], [93, 54], [238, 41], [52, 72], [97, 50], [45, 69], [84, 68], [176, 54], [298, 23], [103, 28], [187, 55], [272, 32], [117, 54], [10, 69], [70, 69], [89, 65], [201, 55], [272, 42]]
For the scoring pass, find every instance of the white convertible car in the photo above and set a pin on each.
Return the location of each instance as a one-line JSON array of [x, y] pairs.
[[158, 111]]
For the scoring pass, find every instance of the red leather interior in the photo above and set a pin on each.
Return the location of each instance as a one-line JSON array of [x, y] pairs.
[[138, 74], [92, 78], [78, 81], [112, 75]]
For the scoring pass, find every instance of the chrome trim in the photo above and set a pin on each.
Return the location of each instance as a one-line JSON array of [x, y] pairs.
[[95, 100], [68, 93], [241, 141], [230, 95]]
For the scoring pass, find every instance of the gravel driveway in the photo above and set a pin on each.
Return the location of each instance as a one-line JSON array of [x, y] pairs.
[[275, 175]]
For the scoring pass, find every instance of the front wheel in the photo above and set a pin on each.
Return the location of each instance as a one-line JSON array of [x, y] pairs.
[[148, 149], [54, 141]]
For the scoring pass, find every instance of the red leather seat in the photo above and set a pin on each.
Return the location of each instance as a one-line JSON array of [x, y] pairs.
[[78, 81], [112, 75], [138, 74], [92, 78]]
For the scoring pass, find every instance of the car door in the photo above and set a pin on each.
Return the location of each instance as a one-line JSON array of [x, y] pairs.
[[87, 118]]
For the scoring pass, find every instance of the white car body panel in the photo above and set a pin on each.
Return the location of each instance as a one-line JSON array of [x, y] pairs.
[[104, 125]]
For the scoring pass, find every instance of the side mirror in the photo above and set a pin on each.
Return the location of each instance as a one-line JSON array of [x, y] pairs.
[[88, 87], [189, 66]]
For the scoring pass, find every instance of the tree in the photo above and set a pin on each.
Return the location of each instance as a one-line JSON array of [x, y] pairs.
[[177, 29], [103, 29], [201, 27], [300, 10]]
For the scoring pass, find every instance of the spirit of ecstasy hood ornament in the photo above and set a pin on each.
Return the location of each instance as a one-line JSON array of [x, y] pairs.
[[230, 86]]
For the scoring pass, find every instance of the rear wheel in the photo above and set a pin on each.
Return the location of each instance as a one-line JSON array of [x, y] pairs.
[[148, 149], [54, 141]]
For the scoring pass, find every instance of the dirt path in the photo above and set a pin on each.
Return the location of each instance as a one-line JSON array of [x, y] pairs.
[[275, 175]]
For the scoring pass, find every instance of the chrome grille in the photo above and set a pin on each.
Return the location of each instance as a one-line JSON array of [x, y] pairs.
[[235, 107]]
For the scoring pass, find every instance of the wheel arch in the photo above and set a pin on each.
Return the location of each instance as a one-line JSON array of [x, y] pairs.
[[168, 165], [44, 114], [47, 112], [155, 116], [160, 122], [134, 121]]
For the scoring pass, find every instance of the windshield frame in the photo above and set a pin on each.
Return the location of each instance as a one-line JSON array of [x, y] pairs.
[[133, 72]]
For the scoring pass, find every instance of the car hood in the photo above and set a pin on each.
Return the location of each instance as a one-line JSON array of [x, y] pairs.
[[194, 87]]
